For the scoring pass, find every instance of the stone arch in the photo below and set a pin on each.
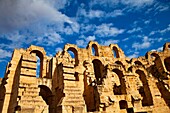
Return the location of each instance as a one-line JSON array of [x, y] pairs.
[[137, 62], [166, 46], [41, 54], [119, 88], [93, 46], [120, 64], [74, 49], [154, 55], [115, 52], [46, 94], [167, 63], [98, 70], [144, 90], [95, 52]]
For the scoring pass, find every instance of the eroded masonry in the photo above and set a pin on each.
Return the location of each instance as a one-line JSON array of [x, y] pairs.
[[97, 78]]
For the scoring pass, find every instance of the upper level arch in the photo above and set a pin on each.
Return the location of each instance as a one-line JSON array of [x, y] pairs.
[[144, 90], [166, 46], [41, 54], [98, 70], [74, 50], [152, 55], [167, 63], [93, 48], [119, 89], [117, 52]]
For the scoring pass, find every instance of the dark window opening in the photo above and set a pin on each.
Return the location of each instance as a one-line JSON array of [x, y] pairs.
[[144, 90], [138, 63], [76, 76], [167, 63], [123, 104], [115, 52], [98, 68], [74, 54], [121, 89]]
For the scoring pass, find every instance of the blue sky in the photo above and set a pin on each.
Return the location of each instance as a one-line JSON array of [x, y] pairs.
[[137, 26]]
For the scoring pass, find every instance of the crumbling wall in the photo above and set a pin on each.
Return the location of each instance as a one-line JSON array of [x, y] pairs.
[[92, 79]]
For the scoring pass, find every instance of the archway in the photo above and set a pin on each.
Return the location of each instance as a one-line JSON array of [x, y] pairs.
[[144, 90], [95, 50], [74, 54], [40, 58], [98, 69], [119, 89], [167, 63], [46, 94], [138, 63], [115, 52]]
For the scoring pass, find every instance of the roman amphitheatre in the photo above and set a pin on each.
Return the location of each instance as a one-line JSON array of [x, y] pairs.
[[95, 79]]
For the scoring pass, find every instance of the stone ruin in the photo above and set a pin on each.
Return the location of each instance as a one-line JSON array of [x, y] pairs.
[[95, 79]]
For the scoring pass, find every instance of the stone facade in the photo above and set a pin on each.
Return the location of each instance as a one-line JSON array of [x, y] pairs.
[[97, 78]]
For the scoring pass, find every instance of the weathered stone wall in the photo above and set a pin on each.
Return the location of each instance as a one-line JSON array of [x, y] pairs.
[[80, 80]]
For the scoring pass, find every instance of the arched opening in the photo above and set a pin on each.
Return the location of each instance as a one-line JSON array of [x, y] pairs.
[[167, 63], [39, 63], [95, 50], [138, 63], [123, 104], [168, 47], [119, 63], [154, 56], [98, 68], [120, 87], [115, 52], [144, 90], [74, 54], [46, 94]]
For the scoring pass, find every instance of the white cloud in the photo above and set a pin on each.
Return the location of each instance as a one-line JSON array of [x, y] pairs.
[[5, 53], [137, 3], [105, 30], [134, 30], [134, 55], [95, 14], [115, 13], [147, 21], [50, 39], [145, 44], [114, 3], [58, 49], [19, 14], [83, 41], [165, 30], [89, 38], [160, 49], [108, 42]]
